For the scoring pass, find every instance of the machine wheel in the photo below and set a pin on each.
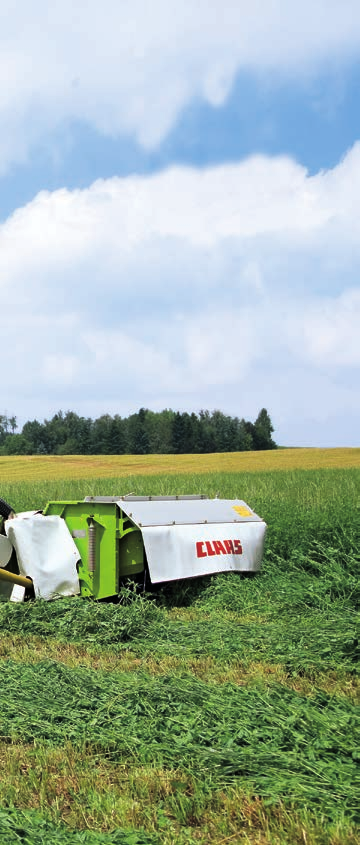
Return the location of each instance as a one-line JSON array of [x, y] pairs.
[[5, 509]]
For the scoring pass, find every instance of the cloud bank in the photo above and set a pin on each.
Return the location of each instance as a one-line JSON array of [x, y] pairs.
[[129, 68], [231, 287]]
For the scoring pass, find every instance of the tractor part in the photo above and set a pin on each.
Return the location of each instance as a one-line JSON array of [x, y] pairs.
[[6, 550], [13, 578], [45, 553], [6, 510], [173, 537]]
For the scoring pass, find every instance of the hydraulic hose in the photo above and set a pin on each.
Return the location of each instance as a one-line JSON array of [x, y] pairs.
[[15, 579]]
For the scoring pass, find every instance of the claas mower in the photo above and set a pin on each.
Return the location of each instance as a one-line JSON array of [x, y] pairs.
[[91, 547]]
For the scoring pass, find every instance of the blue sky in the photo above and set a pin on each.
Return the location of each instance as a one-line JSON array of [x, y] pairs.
[[314, 121], [179, 211]]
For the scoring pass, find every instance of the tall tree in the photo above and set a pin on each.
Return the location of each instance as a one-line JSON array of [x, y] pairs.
[[118, 436], [159, 429], [138, 436], [179, 434], [263, 430], [207, 438], [245, 437], [16, 444], [35, 434], [4, 427], [102, 435]]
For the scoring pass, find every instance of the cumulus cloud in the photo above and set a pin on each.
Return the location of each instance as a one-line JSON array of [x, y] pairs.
[[187, 289], [129, 68]]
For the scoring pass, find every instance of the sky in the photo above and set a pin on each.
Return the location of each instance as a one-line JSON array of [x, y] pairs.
[[180, 210]]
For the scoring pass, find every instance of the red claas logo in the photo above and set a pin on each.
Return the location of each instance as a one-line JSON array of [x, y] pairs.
[[207, 548]]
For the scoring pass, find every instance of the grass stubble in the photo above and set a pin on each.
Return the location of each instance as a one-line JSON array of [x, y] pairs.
[[220, 710]]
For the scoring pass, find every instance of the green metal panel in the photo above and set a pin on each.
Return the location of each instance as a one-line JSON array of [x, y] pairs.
[[110, 545], [131, 551]]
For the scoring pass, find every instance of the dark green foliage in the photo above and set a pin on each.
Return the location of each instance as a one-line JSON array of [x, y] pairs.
[[262, 431], [138, 439], [181, 434], [16, 444], [7, 424], [142, 433]]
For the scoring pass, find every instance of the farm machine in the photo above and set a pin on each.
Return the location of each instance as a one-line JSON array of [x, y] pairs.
[[90, 547]]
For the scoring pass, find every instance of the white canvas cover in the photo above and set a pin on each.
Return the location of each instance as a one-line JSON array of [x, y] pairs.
[[46, 553], [186, 551], [184, 538]]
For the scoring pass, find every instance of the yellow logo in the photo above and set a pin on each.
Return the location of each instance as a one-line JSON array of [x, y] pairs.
[[242, 510]]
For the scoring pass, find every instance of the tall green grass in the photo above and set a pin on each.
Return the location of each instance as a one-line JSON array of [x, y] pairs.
[[299, 506]]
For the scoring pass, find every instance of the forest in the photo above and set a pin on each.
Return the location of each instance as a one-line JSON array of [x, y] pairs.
[[142, 433]]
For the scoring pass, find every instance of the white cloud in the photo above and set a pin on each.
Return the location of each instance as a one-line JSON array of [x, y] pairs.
[[130, 67], [330, 331], [242, 293]]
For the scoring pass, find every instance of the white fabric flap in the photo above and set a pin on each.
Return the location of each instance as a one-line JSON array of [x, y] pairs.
[[46, 553], [185, 551]]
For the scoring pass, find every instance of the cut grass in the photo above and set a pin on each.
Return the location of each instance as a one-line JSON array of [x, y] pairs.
[[30, 828], [275, 742], [65, 786], [301, 614], [207, 668], [219, 710]]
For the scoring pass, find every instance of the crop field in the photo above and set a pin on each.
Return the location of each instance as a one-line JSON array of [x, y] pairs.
[[220, 710], [31, 467]]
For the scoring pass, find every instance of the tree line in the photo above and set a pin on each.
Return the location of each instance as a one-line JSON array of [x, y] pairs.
[[142, 433]]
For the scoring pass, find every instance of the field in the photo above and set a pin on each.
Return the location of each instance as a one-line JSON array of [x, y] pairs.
[[30, 468], [223, 710]]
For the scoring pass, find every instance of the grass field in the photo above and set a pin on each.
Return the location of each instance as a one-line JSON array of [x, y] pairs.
[[31, 467], [223, 710]]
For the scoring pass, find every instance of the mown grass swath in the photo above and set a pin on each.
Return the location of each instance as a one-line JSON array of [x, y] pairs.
[[223, 709], [32, 829], [284, 745]]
